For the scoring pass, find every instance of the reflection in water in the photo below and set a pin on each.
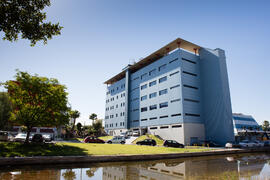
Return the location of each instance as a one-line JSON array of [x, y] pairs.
[[252, 166]]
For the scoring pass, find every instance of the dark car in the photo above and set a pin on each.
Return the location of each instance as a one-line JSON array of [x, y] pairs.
[[91, 139], [173, 143], [37, 138], [149, 142], [210, 144]]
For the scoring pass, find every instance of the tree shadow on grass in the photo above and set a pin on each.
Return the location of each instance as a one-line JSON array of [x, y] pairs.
[[12, 149]]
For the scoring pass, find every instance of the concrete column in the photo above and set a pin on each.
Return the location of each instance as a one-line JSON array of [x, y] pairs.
[[127, 122]]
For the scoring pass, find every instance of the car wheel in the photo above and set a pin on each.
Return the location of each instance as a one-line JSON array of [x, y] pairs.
[[122, 142], [109, 142]]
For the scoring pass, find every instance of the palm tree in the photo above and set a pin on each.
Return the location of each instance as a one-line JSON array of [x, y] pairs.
[[93, 117], [74, 115]]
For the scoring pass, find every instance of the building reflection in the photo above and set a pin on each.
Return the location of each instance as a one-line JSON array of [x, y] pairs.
[[31, 174], [222, 168]]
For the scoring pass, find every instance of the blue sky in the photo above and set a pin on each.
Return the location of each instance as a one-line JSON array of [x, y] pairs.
[[100, 37]]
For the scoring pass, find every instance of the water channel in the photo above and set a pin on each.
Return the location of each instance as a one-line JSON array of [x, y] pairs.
[[247, 166]]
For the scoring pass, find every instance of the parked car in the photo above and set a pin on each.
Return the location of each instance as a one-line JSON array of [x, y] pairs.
[[232, 145], [173, 143], [117, 140], [92, 139], [149, 142], [246, 144], [258, 143], [3, 136], [37, 138], [47, 137], [21, 137], [210, 144], [136, 133]]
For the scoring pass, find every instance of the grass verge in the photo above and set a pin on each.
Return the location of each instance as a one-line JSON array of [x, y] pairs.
[[73, 149], [150, 136]]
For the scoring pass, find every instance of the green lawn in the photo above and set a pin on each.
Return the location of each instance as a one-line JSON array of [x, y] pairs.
[[105, 138], [159, 141], [67, 149]]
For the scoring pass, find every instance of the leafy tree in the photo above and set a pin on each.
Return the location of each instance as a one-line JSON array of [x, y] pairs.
[[26, 18], [97, 126], [5, 110], [265, 125], [69, 175], [37, 101], [93, 117]]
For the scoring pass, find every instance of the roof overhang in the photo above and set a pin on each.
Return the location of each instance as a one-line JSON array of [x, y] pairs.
[[177, 43]]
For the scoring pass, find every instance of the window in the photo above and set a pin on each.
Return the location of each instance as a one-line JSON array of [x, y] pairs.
[[135, 110], [152, 83], [173, 60], [173, 115], [116, 115], [116, 106], [143, 119], [162, 67], [192, 87], [134, 89], [193, 62], [163, 105], [152, 72], [164, 127], [162, 79], [152, 107], [143, 109], [143, 76], [189, 114], [152, 118], [174, 73], [153, 127], [189, 73], [178, 85], [175, 100], [143, 98], [115, 124], [163, 117], [135, 99], [176, 126], [152, 95], [135, 121], [116, 97], [192, 100], [143, 86], [164, 91], [136, 78]]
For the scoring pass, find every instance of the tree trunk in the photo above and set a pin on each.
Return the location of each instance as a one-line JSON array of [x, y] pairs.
[[28, 135]]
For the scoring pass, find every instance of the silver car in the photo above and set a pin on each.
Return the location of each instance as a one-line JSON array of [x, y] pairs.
[[21, 137], [117, 140]]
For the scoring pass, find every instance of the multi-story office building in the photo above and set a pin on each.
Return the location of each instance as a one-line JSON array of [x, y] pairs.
[[179, 92]]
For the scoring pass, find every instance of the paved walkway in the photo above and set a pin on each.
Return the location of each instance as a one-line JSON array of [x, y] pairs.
[[130, 139]]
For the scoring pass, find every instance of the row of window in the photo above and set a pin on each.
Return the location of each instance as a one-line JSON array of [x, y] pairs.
[[112, 98], [116, 115], [117, 88], [161, 92], [116, 106], [111, 125], [160, 68], [152, 83], [165, 127], [160, 117], [152, 107]]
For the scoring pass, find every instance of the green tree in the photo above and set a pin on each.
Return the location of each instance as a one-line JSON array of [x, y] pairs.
[[27, 19], [265, 125], [5, 110], [69, 175], [79, 128], [97, 126], [93, 117], [37, 101], [74, 115]]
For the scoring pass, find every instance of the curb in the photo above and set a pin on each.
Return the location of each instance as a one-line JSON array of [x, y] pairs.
[[45, 160]]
